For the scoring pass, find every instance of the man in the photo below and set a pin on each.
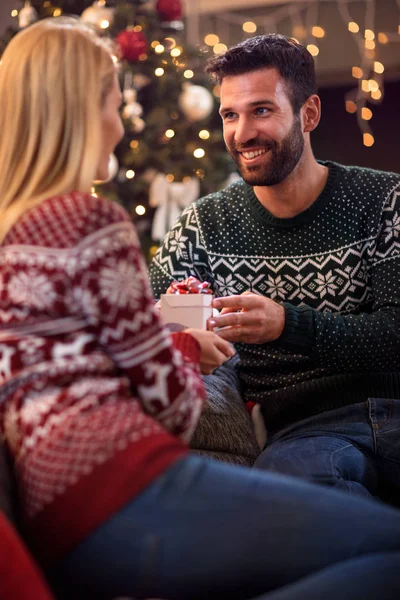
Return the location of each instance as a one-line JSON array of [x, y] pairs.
[[305, 256]]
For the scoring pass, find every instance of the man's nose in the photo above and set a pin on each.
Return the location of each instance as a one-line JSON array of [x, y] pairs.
[[245, 131]]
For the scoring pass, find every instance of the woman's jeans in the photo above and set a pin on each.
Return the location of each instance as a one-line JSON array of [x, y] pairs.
[[354, 448], [208, 530]]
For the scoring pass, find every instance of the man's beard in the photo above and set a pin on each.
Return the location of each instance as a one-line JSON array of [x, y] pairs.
[[281, 158]]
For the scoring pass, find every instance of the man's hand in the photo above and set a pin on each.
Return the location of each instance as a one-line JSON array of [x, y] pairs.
[[248, 318], [214, 350]]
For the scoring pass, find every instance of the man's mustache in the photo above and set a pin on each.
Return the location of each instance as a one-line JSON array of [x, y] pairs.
[[256, 143]]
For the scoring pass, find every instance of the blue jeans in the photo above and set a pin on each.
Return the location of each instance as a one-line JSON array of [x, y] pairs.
[[355, 448], [208, 530]]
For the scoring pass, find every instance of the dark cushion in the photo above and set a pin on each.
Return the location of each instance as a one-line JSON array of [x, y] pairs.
[[225, 430]]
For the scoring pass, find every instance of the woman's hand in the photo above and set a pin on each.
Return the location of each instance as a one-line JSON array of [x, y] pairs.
[[214, 350]]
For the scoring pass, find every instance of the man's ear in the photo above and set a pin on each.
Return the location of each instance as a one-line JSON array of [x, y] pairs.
[[311, 113]]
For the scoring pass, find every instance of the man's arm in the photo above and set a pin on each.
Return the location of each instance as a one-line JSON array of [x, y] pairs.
[[367, 341]]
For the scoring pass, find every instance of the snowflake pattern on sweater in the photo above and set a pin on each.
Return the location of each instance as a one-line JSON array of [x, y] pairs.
[[335, 267], [89, 376]]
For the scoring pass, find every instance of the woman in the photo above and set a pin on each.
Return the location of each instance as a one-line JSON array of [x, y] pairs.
[[97, 399]]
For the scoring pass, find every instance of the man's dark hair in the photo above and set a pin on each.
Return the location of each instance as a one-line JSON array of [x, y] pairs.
[[293, 61]]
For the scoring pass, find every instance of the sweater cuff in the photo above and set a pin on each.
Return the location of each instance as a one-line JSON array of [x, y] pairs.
[[298, 334], [187, 345]]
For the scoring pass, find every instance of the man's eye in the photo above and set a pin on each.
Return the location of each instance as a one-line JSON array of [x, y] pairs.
[[261, 110], [228, 116]]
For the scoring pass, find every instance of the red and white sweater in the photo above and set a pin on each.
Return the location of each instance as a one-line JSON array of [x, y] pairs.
[[96, 398]]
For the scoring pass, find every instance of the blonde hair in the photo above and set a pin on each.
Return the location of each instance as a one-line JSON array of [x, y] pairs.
[[54, 77]]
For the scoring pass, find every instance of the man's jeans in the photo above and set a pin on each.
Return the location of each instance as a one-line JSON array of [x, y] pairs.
[[354, 448]]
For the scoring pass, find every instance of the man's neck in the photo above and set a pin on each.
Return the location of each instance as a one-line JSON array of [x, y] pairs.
[[298, 192]]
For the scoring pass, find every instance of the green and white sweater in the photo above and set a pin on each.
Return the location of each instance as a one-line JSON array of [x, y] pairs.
[[335, 267]]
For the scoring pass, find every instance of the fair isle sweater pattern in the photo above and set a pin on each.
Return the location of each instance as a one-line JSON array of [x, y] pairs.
[[336, 268], [94, 391]]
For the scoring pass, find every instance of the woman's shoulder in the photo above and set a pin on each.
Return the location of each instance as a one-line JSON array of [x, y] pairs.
[[63, 220]]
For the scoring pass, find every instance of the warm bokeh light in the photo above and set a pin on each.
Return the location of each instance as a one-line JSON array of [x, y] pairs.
[[211, 39], [170, 178], [137, 28], [369, 34], [370, 44], [353, 27], [366, 113], [57, 12], [313, 49], [188, 74], [155, 43], [220, 48], [204, 134], [176, 52], [373, 86], [376, 95], [140, 210], [368, 139], [318, 32], [130, 174], [169, 133], [199, 153], [159, 49], [14, 13], [104, 24], [159, 72], [365, 85], [134, 144], [357, 72], [351, 106], [378, 67], [383, 38], [249, 27]]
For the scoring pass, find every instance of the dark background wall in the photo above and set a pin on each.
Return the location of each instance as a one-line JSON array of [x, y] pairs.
[[338, 136]]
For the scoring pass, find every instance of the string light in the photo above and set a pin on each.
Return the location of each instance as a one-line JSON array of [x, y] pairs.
[[134, 144], [357, 72], [175, 52], [211, 39], [159, 49], [14, 13], [170, 133], [220, 48], [383, 38], [313, 49], [353, 27], [368, 139], [351, 106], [370, 44], [199, 153], [159, 72], [378, 67], [366, 113], [104, 24], [377, 95], [249, 27], [130, 174], [170, 178], [188, 74], [318, 32], [369, 34], [204, 134]]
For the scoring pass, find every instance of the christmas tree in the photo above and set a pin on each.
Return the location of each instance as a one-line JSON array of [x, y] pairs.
[[173, 150]]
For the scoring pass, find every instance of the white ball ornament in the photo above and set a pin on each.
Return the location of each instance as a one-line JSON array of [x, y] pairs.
[[113, 168], [196, 102], [98, 14], [27, 15]]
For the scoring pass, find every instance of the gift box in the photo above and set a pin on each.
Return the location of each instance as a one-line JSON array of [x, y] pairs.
[[188, 310]]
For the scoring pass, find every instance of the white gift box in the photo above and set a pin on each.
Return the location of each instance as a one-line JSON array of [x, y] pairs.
[[189, 310]]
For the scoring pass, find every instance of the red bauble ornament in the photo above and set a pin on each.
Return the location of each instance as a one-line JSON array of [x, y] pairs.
[[169, 10], [133, 44]]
